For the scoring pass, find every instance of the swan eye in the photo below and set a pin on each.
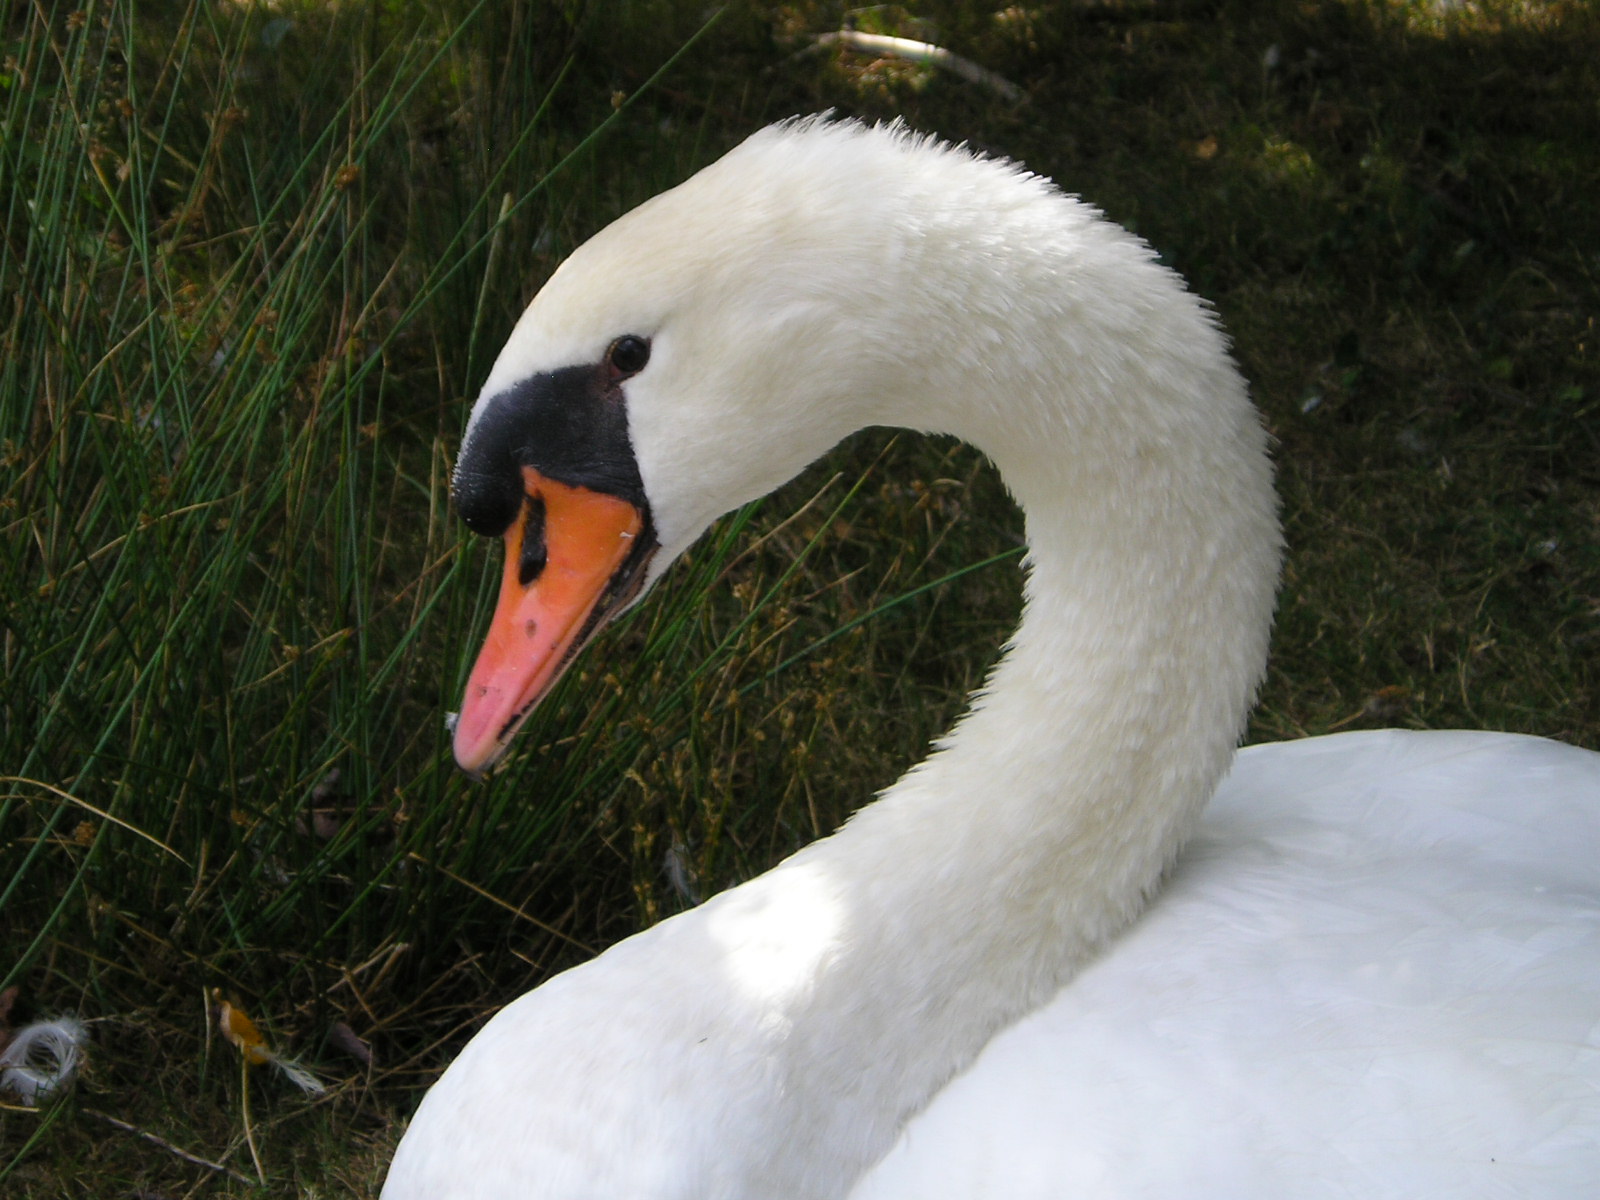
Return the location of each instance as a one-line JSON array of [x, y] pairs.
[[627, 355]]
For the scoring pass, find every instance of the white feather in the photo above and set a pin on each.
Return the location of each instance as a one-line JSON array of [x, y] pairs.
[[42, 1057], [298, 1075]]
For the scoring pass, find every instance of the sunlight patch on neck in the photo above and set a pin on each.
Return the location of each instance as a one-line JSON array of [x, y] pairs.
[[776, 932]]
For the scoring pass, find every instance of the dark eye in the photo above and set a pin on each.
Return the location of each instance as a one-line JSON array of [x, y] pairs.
[[628, 355]]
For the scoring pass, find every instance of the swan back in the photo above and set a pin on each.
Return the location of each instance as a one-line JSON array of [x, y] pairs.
[[1374, 971]]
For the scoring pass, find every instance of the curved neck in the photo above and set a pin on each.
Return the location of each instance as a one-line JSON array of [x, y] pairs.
[[890, 953], [795, 1023]]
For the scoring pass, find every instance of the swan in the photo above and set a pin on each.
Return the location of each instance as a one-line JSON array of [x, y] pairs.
[[1374, 969]]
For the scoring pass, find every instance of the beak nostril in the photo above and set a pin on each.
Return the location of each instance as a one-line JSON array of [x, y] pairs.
[[530, 564]]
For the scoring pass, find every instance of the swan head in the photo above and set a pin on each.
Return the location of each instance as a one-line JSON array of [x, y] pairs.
[[821, 277], [692, 356]]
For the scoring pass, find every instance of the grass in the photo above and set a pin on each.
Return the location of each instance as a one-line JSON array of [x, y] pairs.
[[258, 258]]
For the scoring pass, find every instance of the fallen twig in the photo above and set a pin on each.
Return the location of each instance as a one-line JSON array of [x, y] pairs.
[[923, 52], [162, 1142]]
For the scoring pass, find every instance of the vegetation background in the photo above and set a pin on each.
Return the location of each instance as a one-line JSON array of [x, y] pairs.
[[256, 259]]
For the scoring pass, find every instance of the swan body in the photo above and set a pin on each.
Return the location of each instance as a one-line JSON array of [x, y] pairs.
[[1370, 974], [1375, 970]]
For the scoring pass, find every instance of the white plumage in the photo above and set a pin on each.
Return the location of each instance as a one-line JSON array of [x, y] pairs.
[[1371, 974], [1374, 971]]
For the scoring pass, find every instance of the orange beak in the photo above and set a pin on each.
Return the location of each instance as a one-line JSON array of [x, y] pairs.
[[591, 539]]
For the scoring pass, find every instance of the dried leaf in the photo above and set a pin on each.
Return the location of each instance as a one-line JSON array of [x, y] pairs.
[[344, 1038]]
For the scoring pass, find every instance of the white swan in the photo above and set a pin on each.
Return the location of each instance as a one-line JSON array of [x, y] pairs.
[[1375, 971]]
